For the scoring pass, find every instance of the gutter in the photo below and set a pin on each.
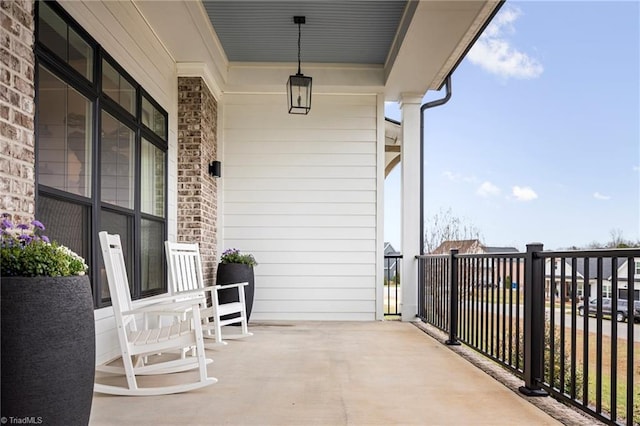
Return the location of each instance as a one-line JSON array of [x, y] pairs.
[[423, 108]]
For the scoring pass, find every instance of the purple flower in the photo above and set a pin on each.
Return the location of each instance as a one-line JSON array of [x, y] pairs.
[[6, 224], [45, 239], [23, 226], [26, 238], [38, 224]]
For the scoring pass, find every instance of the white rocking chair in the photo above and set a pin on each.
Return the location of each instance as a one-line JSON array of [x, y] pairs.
[[138, 345], [185, 278]]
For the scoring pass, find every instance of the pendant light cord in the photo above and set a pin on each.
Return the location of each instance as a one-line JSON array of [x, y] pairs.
[[299, 32]]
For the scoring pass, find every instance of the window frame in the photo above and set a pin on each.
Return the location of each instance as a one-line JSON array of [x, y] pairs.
[[100, 102]]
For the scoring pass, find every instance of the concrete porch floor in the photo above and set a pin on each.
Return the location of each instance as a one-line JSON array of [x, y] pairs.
[[331, 373]]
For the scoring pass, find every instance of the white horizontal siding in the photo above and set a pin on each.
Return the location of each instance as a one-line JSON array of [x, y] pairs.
[[326, 171], [344, 209], [314, 281], [302, 135], [332, 309], [284, 196], [318, 221], [308, 184], [317, 246], [300, 193], [268, 147], [324, 294], [303, 270], [248, 234], [322, 257]]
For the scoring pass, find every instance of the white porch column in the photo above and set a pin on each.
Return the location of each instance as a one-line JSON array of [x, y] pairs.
[[410, 228]]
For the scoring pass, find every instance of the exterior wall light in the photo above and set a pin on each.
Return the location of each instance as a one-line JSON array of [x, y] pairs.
[[215, 169]]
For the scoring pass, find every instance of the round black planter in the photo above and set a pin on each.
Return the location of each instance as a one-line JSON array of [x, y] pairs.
[[230, 273], [48, 349]]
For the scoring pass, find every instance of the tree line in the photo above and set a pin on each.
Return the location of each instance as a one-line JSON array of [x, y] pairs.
[[446, 226]]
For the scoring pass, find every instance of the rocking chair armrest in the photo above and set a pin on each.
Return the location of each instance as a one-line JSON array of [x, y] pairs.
[[161, 306], [210, 288], [159, 300], [238, 285], [193, 293]]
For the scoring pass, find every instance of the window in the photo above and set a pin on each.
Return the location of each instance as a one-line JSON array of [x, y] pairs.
[[637, 268], [64, 135], [118, 88], [63, 41], [117, 162], [101, 155]]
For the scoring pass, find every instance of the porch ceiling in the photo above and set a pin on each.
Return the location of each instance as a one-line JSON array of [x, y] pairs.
[[358, 32], [361, 46]]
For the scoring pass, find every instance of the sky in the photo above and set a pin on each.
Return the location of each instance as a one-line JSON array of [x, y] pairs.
[[540, 141]]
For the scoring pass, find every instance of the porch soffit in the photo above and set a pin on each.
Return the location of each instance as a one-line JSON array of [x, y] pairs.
[[400, 46]]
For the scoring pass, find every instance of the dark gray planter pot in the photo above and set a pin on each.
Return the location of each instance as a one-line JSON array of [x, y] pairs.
[[48, 349], [230, 273]]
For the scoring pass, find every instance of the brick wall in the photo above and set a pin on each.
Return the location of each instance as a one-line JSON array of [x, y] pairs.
[[197, 191], [17, 159]]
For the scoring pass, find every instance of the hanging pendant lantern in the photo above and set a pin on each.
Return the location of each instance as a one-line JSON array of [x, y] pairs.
[[299, 85]]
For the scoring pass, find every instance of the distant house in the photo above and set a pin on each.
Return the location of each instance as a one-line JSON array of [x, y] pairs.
[[463, 246], [470, 247], [554, 272], [488, 249], [390, 264], [588, 271], [492, 272], [623, 281]]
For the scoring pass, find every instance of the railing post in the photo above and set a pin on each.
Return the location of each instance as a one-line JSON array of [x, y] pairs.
[[421, 289], [453, 298], [534, 322]]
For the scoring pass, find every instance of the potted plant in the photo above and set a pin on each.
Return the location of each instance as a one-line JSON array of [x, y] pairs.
[[48, 331], [236, 267]]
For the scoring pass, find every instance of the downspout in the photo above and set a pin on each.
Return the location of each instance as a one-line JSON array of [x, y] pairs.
[[423, 108]]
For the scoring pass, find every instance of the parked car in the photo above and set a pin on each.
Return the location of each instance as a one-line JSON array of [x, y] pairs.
[[621, 313]]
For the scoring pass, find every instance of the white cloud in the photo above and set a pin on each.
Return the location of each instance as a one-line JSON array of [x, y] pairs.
[[599, 196], [457, 177], [487, 189], [450, 175], [524, 193], [494, 52]]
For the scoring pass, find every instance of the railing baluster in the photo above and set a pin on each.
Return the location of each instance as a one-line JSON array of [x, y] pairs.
[[453, 298], [504, 309], [630, 363], [574, 325], [599, 335], [553, 288], [518, 349], [563, 302], [511, 312], [585, 334], [613, 385]]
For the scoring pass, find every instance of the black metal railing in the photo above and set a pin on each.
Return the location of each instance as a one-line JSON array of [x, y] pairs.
[[392, 297], [523, 311]]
